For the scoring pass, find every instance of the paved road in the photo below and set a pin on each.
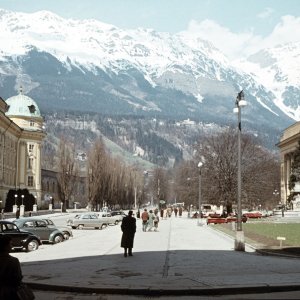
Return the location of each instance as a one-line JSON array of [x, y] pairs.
[[181, 259]]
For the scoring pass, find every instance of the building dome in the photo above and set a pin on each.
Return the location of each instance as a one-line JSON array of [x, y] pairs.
[[22, 106]]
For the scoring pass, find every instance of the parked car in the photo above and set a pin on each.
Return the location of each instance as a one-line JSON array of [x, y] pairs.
[[253, 214], [119, 213], [112, 217], [21, 240], [40, 228], [220, 220], [65, 230], [83, 220]]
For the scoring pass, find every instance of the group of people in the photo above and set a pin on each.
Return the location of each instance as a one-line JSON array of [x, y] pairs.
[[150, 220]]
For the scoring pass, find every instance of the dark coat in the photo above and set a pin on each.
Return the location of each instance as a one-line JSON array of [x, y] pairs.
[[128, 228], [10, 276]]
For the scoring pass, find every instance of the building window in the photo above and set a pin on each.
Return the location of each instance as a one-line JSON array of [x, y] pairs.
[[30, 181], [31, 146], [31, 123], [30, 163]]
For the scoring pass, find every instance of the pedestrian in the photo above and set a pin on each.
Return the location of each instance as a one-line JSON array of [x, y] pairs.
[[169, 212], [155, 221], [161, 212], [138, 214], [175, 211], [151, 220], [145, 218], [128, 228], [10, 271], [180, 211], [18, 213]]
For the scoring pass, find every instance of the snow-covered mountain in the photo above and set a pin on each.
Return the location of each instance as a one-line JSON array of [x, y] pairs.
[[278, 69], [92, 66]]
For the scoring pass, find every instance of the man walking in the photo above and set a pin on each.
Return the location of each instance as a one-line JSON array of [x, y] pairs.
[[128, 228], [145, 218]]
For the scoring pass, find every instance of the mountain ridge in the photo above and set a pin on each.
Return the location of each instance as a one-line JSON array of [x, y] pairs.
[[88, 65]]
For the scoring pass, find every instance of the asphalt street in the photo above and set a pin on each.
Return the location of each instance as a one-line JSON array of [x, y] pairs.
[[181, 260]]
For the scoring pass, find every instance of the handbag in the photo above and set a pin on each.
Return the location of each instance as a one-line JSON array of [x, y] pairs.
[[24, 292]]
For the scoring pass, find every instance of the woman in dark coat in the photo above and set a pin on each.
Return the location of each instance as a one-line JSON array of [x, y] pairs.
[[128, 228]]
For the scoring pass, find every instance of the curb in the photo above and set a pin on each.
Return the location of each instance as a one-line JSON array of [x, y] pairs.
[[269, 253], [168, 292]]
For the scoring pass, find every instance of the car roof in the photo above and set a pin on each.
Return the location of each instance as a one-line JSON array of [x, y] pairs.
[[6, 222]]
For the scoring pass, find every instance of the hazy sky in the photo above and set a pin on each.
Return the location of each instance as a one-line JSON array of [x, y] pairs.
[[237, 27]]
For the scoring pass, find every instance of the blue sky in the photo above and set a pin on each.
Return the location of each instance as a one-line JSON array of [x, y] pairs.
[[234, 26]]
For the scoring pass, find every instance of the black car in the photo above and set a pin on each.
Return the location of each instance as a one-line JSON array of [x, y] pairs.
[[20, 239]]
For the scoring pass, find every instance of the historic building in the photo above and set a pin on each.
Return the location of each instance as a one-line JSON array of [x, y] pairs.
[[287, 145], [21, 135]]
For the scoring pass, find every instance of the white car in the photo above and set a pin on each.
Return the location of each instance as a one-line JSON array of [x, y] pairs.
[[84, 220], [108, 218]]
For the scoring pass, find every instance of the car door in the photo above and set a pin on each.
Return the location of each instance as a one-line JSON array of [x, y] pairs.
[[95, 222], [86, 220], [41, 229]]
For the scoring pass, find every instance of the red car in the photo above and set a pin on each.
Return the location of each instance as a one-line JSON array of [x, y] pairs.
[[218, 220], [253, 215]]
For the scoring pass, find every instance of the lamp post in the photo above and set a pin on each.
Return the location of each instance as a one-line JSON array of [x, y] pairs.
[[35, 204], [239, 240], [200, 164], [22, 207], [15, 207]]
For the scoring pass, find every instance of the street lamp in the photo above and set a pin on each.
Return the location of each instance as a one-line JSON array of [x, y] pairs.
[[16, 196], [22, 196], [200, 164], [239, 240]]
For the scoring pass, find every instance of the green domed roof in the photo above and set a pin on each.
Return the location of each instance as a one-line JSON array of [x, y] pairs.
[[22, 106]]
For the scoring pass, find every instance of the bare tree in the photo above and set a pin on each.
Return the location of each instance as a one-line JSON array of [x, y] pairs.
[[95, 171], [67, 172], [259, 170]]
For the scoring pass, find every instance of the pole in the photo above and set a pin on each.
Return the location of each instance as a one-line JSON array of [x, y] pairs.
[[135, 197], [199, 198], [239, 241]]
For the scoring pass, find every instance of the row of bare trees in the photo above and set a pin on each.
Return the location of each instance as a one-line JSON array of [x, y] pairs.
[[110, 182]]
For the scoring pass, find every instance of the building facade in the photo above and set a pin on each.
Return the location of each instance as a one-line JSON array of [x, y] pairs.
[[21, 135], [287, 145]]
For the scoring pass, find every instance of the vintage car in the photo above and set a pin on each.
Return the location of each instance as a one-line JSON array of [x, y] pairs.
[[21, 240], [87, 220], [220, 220], [253, 214], [40, 228], [64, 229], [108, 218]]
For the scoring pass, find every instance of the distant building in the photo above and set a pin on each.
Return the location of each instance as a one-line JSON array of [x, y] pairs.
[[287, 145], [21, 135]]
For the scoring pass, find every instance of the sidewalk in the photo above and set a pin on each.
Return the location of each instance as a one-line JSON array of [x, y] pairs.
[[181, 259]]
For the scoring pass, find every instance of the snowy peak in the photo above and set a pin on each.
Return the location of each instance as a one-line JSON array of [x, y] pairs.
[[278, 69]]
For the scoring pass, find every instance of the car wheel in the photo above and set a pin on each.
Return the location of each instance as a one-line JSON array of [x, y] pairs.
[[32, 246], [103, 226], [66, 235], [73, 227], [80, 226], [116, 222], [58, 239]]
